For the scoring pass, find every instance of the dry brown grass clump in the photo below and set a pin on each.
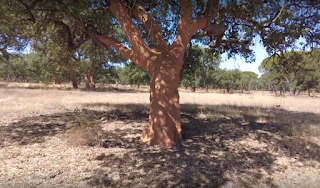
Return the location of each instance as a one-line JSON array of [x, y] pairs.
[[83, 136]]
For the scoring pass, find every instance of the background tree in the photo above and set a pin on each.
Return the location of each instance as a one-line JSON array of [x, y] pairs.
[[229, 79], [134, 75], [198, 68], [294, 71], [158, 32], [247, 80]]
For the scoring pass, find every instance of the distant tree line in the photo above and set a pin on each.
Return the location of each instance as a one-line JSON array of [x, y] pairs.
[[290, 72]]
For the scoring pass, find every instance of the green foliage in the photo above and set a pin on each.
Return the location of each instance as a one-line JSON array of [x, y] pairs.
[[228, 79], [67, 23], [27, 67], [248, 79], [133, 75], [108, 75], [199, 67], [294, 71], [63, 33]]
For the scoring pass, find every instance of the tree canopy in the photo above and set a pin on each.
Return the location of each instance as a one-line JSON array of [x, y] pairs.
[[229, 26]]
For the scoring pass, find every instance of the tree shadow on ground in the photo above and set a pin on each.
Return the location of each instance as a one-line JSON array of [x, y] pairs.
[[218, 141], [69, 88], [210, 150], [32, 130], [116, 90]]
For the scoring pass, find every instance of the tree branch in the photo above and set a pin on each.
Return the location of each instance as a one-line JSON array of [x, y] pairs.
[[119, 10], [153, 29], [120, 47], [65, 9], [187, 28], [103, 39], [212, 9], [29, 8], [72, 45], [4, 52], [280, 12], [186, 8], [184, 34]]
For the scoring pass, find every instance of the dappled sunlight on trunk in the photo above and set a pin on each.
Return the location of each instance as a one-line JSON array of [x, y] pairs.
[[164, 119]]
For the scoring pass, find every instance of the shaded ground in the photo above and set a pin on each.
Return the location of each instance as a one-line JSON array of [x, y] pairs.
[[223, 146]]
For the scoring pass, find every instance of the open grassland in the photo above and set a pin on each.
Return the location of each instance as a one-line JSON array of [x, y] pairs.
[[57, 138]]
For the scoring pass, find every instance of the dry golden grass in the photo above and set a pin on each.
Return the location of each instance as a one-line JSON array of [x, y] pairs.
[[58, 138]]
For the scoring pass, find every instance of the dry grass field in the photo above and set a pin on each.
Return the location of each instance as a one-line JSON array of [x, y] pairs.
[[59, 138]]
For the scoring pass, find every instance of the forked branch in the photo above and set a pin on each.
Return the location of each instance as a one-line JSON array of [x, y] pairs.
[[120, 11], [154, 30], [101, 38]]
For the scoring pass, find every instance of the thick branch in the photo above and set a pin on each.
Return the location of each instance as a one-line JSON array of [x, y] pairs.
[[122, 49], [132, 33], [184, 33], [103, 39], [153, 29], [72, 45], [186, 8], [4, 52], [212, 9], [29, 8], [187, 28], [65, 9], [119, 10]]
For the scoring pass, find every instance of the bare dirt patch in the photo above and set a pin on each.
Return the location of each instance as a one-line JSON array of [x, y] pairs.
[[53, 138]]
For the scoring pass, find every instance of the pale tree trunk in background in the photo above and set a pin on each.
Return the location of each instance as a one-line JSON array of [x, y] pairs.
[[89, 78], [93, 78], [86, 77], [290, 87], [72, 74]]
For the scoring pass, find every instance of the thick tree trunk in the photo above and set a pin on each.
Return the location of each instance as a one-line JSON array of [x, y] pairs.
[[57, 78], [72, 74], [164, 119], [193, 89]]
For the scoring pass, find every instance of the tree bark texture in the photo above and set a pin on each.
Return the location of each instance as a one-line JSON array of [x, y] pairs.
[[164, 126]]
